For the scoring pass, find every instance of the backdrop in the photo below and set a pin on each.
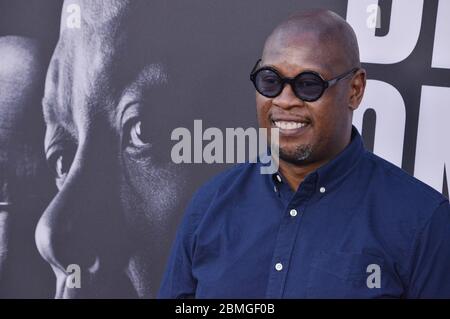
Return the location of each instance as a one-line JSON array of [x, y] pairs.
[[211, 46]]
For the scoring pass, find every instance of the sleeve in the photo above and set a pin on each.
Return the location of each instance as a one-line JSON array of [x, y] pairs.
[[178, 280], [430, 266]]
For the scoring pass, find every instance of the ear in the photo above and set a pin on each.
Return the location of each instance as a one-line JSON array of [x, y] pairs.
[[357, 88]]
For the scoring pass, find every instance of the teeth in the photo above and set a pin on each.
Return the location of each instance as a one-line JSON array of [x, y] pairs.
[[285, 125]]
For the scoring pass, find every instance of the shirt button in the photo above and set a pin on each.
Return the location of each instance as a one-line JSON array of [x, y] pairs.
[[293, 212], [322, 189], [275, 189], [279, 178], [279, 266]]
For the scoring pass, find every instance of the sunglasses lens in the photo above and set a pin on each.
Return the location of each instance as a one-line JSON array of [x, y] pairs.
[[309, 86], [268, 83]]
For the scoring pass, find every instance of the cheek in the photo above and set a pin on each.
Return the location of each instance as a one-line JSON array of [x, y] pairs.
[[327, 114], [263, 106], [149, 192], [330, 119]]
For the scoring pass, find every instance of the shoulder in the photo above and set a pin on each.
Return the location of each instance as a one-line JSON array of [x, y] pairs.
[[404, 188]]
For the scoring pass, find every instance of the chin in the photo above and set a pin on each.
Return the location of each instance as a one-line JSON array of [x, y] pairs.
[[300, 154]]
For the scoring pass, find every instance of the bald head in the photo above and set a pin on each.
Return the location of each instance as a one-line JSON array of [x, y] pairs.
[[329, 37], [22, 72], [312, 41]]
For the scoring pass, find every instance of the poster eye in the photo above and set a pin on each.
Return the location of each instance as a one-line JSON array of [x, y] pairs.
[[61, 163], [60, 166], [139, 135]]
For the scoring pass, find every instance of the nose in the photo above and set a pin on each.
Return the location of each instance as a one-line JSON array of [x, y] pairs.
[[81, 225], [287, 98]]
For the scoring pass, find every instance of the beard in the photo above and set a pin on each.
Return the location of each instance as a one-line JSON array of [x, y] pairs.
[[300, 155]]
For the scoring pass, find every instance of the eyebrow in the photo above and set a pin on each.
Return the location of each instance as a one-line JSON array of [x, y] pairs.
[[60, 128], [58, 134]]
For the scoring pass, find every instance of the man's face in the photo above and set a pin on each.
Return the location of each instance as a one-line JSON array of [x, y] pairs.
[[106, 107], [325, 120], [25, 187]]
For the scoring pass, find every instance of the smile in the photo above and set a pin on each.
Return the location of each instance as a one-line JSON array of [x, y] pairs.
[[289, 125]]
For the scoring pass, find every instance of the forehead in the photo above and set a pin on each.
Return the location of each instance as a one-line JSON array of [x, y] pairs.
[[292, 54], [78, 90], [110, 55]]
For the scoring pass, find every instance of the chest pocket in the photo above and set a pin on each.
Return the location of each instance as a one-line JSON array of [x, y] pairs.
[[346, 275]]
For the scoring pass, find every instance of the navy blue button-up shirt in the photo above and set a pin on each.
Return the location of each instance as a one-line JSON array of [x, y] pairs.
[[357, 227]]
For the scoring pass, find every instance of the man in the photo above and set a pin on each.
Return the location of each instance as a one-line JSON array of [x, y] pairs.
[[107, 104], [336, 221], [25, 183]]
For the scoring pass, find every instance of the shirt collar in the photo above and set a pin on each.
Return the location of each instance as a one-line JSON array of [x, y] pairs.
[[329, 175]]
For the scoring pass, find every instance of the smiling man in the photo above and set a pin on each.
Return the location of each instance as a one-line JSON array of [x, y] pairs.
[[336, 221]]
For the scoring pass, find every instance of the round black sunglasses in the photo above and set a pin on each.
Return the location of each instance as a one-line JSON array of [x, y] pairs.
[[308, 86]]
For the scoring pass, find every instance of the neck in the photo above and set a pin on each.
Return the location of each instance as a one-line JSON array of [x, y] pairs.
[[296, 173]]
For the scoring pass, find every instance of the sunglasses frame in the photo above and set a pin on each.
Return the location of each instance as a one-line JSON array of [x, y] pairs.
[[291, 81]]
